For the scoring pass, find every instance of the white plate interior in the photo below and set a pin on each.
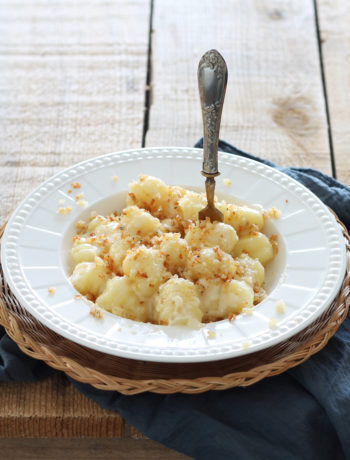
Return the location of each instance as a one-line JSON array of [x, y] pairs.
[[306, 274]]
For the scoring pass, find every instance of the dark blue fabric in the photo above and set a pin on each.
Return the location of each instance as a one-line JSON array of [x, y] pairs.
[[16, 366], [301, 414]]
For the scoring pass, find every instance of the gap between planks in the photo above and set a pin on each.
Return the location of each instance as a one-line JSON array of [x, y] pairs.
[[324, 88], [274, 105], [148, 88]]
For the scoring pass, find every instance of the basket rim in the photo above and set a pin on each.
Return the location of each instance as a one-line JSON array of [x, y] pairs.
[[25, 331]]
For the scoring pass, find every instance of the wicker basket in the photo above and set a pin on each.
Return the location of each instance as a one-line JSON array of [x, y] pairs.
[[131, 376]]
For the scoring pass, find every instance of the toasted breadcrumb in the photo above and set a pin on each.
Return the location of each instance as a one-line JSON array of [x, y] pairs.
[[69, 191], [273, 323], [51, 290], [273, 213], [227, 182], [110, 246], [80, 225], [280, 307], [77, 296], [114, 178], [82, 203], [96, 311], [211, 334], [76, 184], [273, 240], [64, 211]]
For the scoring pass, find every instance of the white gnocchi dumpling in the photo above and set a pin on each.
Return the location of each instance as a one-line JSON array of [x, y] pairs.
[[118, 251], [152, 194], [170, 206], [190, 205], [210, 234], [84, 252], [90, 277], [256, 245], [94, 222], [119, 298], [236, 295], [138, 222], [100, 225], [209, 263], [241, 217], [177, 303], [250, 270], [221, 299], [148, 193], [175, 250], [172, 225], [146, 269]]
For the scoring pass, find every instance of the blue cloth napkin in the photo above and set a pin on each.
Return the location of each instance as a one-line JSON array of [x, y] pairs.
[[301, 414]]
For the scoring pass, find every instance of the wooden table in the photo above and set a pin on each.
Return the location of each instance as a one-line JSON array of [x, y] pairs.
[[82, 78]]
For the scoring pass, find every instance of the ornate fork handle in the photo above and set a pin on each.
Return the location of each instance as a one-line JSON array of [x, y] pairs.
[[212, 82]]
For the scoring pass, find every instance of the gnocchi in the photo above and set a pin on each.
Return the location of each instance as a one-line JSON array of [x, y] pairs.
[[120, 299], [177, 303], [208, 234], [155, 262]]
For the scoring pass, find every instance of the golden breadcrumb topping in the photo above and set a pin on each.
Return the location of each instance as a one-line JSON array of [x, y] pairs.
[[156, 262]]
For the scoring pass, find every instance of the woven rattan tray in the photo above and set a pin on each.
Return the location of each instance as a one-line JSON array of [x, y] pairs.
[[131, 376]]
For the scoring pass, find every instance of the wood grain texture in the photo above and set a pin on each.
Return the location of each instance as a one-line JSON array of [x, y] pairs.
[[54, 408], [274, 105], [334, 20], [86, 449], [73, 81], [72, 86]]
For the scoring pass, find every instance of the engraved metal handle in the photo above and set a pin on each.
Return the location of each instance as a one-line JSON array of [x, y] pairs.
[[212, 82]]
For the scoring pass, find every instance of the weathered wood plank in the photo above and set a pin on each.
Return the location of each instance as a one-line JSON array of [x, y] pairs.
[[274, 105], [53, 408], [86, 449], [72, 86], [334, 20], [39, 420]]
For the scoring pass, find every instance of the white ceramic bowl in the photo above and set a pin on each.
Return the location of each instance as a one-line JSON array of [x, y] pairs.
[[306, 274]]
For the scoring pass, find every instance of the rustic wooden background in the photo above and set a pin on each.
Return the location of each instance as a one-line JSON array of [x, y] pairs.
[[82, 78]]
